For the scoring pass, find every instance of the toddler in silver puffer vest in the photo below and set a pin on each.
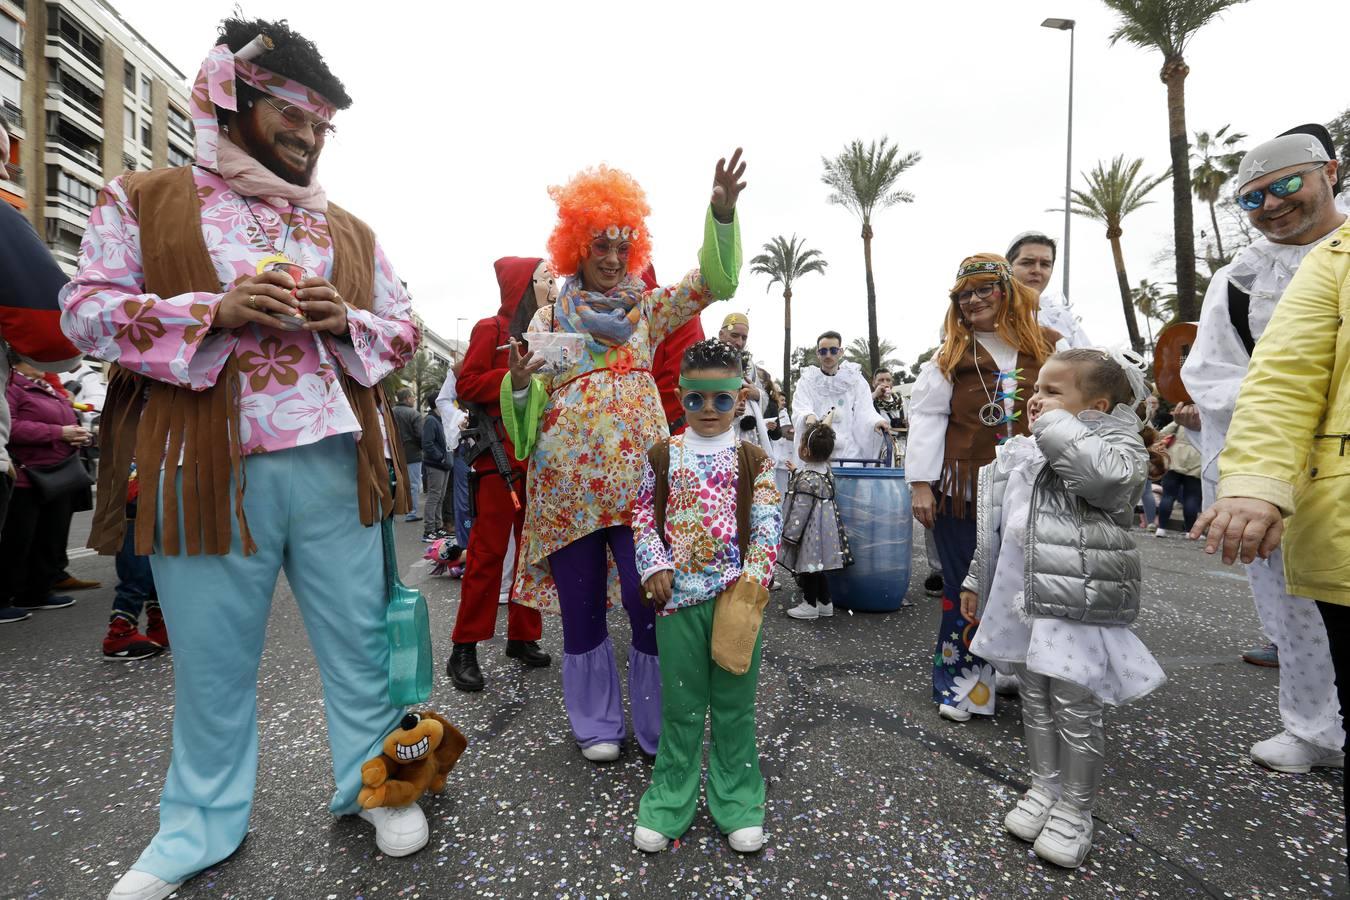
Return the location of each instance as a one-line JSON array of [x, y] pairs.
[[1055, 583]]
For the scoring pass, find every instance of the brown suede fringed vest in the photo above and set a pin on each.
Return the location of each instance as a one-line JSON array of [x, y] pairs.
[[196, 433], [971, 443]]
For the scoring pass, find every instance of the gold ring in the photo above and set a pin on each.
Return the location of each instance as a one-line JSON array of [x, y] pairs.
[[252, 301]]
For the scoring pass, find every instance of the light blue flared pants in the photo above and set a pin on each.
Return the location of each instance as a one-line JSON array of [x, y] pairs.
[[302, 511]]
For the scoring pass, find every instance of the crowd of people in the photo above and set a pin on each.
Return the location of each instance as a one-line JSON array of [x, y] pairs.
[[593, 449]]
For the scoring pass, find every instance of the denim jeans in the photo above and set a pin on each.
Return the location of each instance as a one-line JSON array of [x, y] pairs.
[[135, 581], [460, 493]]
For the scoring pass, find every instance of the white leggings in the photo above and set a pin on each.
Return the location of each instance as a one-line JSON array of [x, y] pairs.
[[1065, 736]]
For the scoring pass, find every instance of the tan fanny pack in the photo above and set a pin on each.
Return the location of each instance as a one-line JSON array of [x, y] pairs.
[[736, 622]]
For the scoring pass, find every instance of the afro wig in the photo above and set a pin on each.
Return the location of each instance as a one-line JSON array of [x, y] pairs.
[[294, 56], [588, 205]]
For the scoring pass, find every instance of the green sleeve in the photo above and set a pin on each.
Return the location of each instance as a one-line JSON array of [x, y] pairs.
[[720, 258], [522, 422]]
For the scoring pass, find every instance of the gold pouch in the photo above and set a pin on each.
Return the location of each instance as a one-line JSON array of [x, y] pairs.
[[736, 622]]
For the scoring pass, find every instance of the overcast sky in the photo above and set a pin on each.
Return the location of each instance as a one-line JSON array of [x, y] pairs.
[[464, 114]]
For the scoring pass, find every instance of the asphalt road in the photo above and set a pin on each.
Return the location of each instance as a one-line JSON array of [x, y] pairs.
[[870, 793]]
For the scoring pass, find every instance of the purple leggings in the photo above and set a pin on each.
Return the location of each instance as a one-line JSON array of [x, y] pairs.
[[580, 570], [590, 674]]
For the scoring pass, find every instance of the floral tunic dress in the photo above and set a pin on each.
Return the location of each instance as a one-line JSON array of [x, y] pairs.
[[586, 432]]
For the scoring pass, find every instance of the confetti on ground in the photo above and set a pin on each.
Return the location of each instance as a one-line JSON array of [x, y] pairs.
[[869, 793]]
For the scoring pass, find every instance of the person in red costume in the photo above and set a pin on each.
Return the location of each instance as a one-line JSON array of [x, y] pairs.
[[526, 285], [666, 361]]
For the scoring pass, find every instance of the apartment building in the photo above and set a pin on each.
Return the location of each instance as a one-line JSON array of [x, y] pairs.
[[85, 98]]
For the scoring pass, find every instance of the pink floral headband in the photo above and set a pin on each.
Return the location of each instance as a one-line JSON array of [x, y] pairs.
[[214, 88]]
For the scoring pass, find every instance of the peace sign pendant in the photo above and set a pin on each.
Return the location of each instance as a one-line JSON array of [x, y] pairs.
[[992, 414]]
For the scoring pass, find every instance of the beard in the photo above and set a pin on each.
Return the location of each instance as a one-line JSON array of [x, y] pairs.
[[261, 148]]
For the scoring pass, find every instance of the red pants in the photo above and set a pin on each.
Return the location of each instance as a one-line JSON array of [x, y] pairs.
[[480, 590]]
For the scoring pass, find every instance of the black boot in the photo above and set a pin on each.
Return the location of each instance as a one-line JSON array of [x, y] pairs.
[[463, 668], [529, 653]]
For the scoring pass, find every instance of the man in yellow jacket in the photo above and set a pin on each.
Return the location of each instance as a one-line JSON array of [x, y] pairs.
[[1285, 471]]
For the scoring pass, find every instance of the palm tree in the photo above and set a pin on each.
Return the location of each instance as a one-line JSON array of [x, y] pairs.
[[859, 352], [1168, 26], [1111, 195], [862, 180], [1216, 161], [1152, 303], [785, 260]]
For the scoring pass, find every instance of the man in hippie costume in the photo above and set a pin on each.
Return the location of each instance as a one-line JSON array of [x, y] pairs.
[[585, 423], [250, 321]]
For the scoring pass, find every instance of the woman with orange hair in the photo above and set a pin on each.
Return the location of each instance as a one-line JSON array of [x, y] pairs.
[[585, 423], [970, 398]]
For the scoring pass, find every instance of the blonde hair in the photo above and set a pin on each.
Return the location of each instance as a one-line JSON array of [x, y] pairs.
[[1016, 322]]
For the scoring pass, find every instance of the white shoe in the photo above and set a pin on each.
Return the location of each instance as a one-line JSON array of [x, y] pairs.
[[824, 610], [605, 752], [1066, 838], [803, 610], [1006, 685], [747, 840], [137, 885], [399, 830], [649, 841], [1027, 818], [1161, 532], [1286, 752], [953, 713]]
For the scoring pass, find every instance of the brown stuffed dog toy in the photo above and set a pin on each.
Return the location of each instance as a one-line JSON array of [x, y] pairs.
[[416, 759]]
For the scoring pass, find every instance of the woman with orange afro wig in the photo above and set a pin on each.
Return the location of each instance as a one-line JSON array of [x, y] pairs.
[[586, 429], [970, 398]]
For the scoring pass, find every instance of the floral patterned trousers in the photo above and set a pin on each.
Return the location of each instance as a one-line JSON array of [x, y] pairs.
[[960, 678]]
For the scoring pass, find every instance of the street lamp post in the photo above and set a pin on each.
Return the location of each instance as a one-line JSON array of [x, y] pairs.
[[1066, 25], [457, 321]]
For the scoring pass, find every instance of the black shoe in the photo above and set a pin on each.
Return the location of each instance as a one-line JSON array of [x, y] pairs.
[[932, 585], [529, 653], [463, 668]]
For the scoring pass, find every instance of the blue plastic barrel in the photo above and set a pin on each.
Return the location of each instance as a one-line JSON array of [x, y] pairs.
[[874, 504]]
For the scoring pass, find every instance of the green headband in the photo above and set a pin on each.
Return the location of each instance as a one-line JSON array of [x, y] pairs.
[[711, 384], [984, 267]]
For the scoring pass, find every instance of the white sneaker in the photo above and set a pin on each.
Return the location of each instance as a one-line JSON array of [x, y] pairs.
[[804, 610], [605, 752], [824, 610], [137, 885], [747, 840], [1027, 818], [1006, 685], [399, 830], [953, 713], [1286, 752], [649, 841], [1161, 532], [1066, 838]]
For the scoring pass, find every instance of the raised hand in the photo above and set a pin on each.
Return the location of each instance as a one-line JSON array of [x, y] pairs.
[[727, 186], [523, 367]]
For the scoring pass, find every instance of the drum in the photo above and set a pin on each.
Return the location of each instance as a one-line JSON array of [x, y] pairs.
[[874, 505]]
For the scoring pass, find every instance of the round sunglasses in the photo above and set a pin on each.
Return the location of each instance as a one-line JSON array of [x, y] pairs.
[[295, 118], [1289, 184], [722, 402]]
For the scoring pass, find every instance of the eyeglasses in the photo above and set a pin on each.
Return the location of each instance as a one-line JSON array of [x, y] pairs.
[[1289, 184], [295, 117], [828, 351], [601, 247], [983, 292], [722, 402]]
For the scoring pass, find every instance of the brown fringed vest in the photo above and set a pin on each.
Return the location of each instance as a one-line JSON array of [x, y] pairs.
[[147, 420], [749, 458], [971, 443]]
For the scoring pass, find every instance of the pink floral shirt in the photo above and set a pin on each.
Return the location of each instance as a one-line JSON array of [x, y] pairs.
[[291, 395]]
